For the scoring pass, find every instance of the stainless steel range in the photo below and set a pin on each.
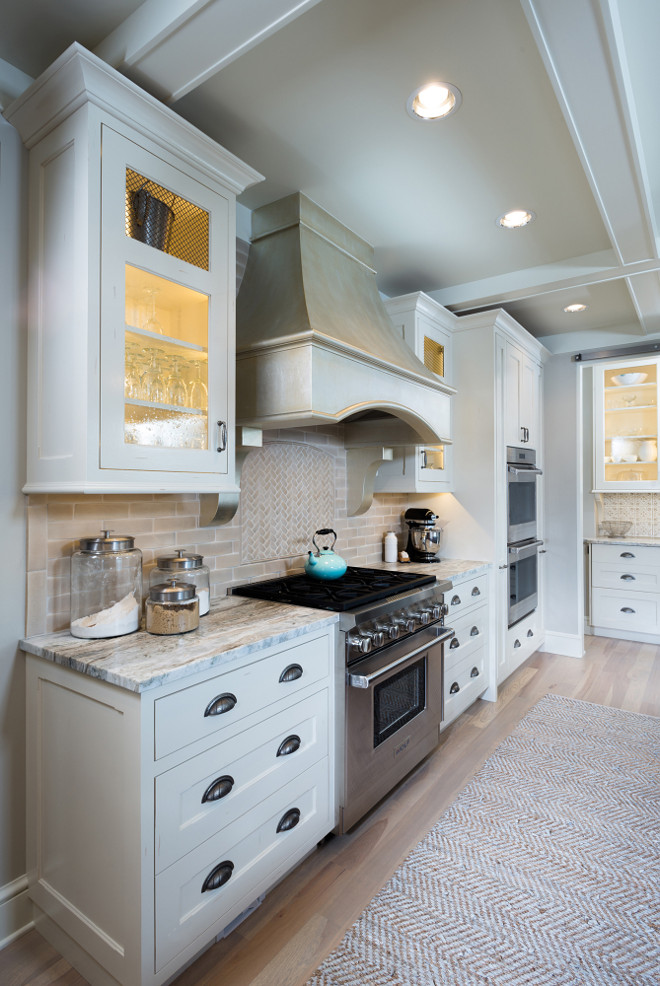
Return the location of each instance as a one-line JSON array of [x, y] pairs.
[[391, 642]]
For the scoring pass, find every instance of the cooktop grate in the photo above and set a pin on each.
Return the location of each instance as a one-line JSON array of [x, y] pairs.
[[357, 587]]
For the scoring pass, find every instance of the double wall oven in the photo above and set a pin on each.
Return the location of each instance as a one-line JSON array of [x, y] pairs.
[[522, 542], [391, 644]]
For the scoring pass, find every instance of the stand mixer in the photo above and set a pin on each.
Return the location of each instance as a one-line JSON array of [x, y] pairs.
[[423, 537]]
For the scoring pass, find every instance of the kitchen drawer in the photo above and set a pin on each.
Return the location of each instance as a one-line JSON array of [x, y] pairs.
[[522, 640], [464, 684], [465, 595], [213, 706], [254, 857], [470, 633], [250, 766], [633, 577], [636, 611], [626, 555]]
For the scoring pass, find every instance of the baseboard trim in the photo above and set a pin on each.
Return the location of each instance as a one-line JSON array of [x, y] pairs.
[[563, 644], [15, 911]]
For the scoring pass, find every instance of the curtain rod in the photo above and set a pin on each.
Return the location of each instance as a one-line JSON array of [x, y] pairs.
[[639, 349]]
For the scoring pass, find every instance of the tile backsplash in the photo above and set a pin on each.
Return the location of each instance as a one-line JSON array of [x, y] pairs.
[[641, 509], [293, 486]]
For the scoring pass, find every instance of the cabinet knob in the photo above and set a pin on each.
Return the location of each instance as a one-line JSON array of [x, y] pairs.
[[626, 554], [627, 609], [218, 876], [289, 820], [292, 673], [219, 788], [222, 436], [220, 704], [476, 591], [455, 687], [288, 746], [628, 578]]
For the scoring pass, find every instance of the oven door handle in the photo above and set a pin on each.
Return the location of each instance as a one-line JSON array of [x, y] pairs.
[[366, 680], [525, 470], [524, 550]]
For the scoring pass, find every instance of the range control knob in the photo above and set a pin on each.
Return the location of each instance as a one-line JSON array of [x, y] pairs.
[[444, 609], [377, 637], [436, 611], [359, 642], [424, 616], [407, 623], [390, 630]]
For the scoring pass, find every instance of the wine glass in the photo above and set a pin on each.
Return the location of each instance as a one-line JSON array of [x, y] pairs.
[[152, 324], [152, 385], [197, 389], [176, 388]]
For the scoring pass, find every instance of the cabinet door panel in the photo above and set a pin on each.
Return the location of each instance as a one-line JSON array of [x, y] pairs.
[[626, 426]]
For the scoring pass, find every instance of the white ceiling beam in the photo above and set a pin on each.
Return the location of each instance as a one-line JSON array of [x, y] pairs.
[[173, 46]]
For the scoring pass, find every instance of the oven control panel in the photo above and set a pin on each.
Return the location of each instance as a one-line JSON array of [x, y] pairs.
[[373, 635]]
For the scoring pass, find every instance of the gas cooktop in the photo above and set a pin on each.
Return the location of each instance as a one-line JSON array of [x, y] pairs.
[[357, 587]]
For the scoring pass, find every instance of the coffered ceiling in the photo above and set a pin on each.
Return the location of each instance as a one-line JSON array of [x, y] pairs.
[[558, 116]]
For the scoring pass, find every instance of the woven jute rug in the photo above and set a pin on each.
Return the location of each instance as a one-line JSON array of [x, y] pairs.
[[545, 870]]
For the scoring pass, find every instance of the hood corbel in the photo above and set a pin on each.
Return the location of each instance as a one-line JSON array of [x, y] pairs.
[[216, 509]]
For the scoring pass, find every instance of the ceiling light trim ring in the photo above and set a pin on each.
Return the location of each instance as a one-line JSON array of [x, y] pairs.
[[452, 101], [506, 220]]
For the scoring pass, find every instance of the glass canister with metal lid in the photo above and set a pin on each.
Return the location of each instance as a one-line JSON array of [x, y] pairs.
[[186, 567], [171, 607], [106, 586]]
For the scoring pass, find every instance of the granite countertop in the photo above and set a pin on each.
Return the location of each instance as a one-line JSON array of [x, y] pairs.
[[628, 539], [235, 628]]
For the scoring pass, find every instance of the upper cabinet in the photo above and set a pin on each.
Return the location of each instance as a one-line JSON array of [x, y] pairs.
[[522, 376], [426, 326], [131, 351], [626, 426]]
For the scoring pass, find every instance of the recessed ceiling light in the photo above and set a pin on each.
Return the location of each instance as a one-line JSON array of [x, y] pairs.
[[572, 309], [515, 219], [433, 101]]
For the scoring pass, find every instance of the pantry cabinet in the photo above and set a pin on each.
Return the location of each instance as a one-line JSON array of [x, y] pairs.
[[427, 328], [626, 426], [522, 376], [156, 819], [132, 285]]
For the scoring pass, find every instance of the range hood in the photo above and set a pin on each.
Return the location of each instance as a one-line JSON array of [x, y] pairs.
[[314, 342]]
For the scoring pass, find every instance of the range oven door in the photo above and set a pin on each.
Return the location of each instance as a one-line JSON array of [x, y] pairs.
[[523, 579], [521, 502], [393, 716]]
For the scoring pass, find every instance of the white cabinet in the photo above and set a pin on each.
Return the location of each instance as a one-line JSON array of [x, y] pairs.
[[626, 426], [426, 327], [625, 591], [156, 819], [132, 284], [466, 667], [521, 397]]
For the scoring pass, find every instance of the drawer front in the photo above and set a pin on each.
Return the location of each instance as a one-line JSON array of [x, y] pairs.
[[634, 577], [252, 861], [200, 797], [524, 637], [636, 611], [465, 595], [464, 684], [211, 707], [627, 556], [470, 633]]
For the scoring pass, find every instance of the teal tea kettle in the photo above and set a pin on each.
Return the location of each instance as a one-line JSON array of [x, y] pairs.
[[325, 564]]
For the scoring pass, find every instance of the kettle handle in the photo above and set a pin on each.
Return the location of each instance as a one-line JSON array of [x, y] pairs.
[[324, 530]]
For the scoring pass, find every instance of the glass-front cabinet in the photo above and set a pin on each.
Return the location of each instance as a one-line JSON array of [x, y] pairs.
[[131, 322], [626, 426]]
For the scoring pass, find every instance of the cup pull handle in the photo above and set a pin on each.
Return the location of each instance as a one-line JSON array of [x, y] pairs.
[[474, 673], [628, 578], [474, 632], [456, 601], [219, 788], [220, 704], [288, 746], [218, 876], [626, 554], [454, 644], [289, 820], [454, 688], [530, 633], [292, 673], [627, 609], [517, 643], [476, 591]]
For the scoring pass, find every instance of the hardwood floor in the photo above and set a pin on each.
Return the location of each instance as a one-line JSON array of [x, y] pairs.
[[305, 916]]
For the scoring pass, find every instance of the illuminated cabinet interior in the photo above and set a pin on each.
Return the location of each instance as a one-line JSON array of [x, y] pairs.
[[626, 426]]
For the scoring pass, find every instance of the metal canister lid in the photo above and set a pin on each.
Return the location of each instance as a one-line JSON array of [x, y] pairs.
[[180, 562], [172, 592], [107, 541]]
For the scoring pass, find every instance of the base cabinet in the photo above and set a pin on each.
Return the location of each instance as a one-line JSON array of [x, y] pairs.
[[625, 590], [467, 663], [156, 820]]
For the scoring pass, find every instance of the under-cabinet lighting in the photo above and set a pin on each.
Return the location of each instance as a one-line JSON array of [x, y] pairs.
[[434, 101]]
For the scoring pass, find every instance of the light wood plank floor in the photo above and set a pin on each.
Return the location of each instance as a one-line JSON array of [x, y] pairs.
[[303, 918]]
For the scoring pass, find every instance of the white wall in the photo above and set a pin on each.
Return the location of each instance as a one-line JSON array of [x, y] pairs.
[[13, 906], [564, 579]]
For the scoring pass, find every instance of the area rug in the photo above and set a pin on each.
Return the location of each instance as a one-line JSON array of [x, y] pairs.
[[545, 869]]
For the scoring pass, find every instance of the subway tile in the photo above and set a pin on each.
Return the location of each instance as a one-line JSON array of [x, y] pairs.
[[37, 604], [37, 537]]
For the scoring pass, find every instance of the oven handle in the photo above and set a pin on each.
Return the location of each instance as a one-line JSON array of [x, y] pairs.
[[525, 470], [525, 550], [366, 680]]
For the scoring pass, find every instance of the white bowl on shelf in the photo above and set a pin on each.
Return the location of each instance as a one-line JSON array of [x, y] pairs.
[[629, 458], [629, 379]]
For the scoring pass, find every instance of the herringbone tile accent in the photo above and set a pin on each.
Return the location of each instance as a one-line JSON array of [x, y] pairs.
[[545, 871], [288, 494]]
